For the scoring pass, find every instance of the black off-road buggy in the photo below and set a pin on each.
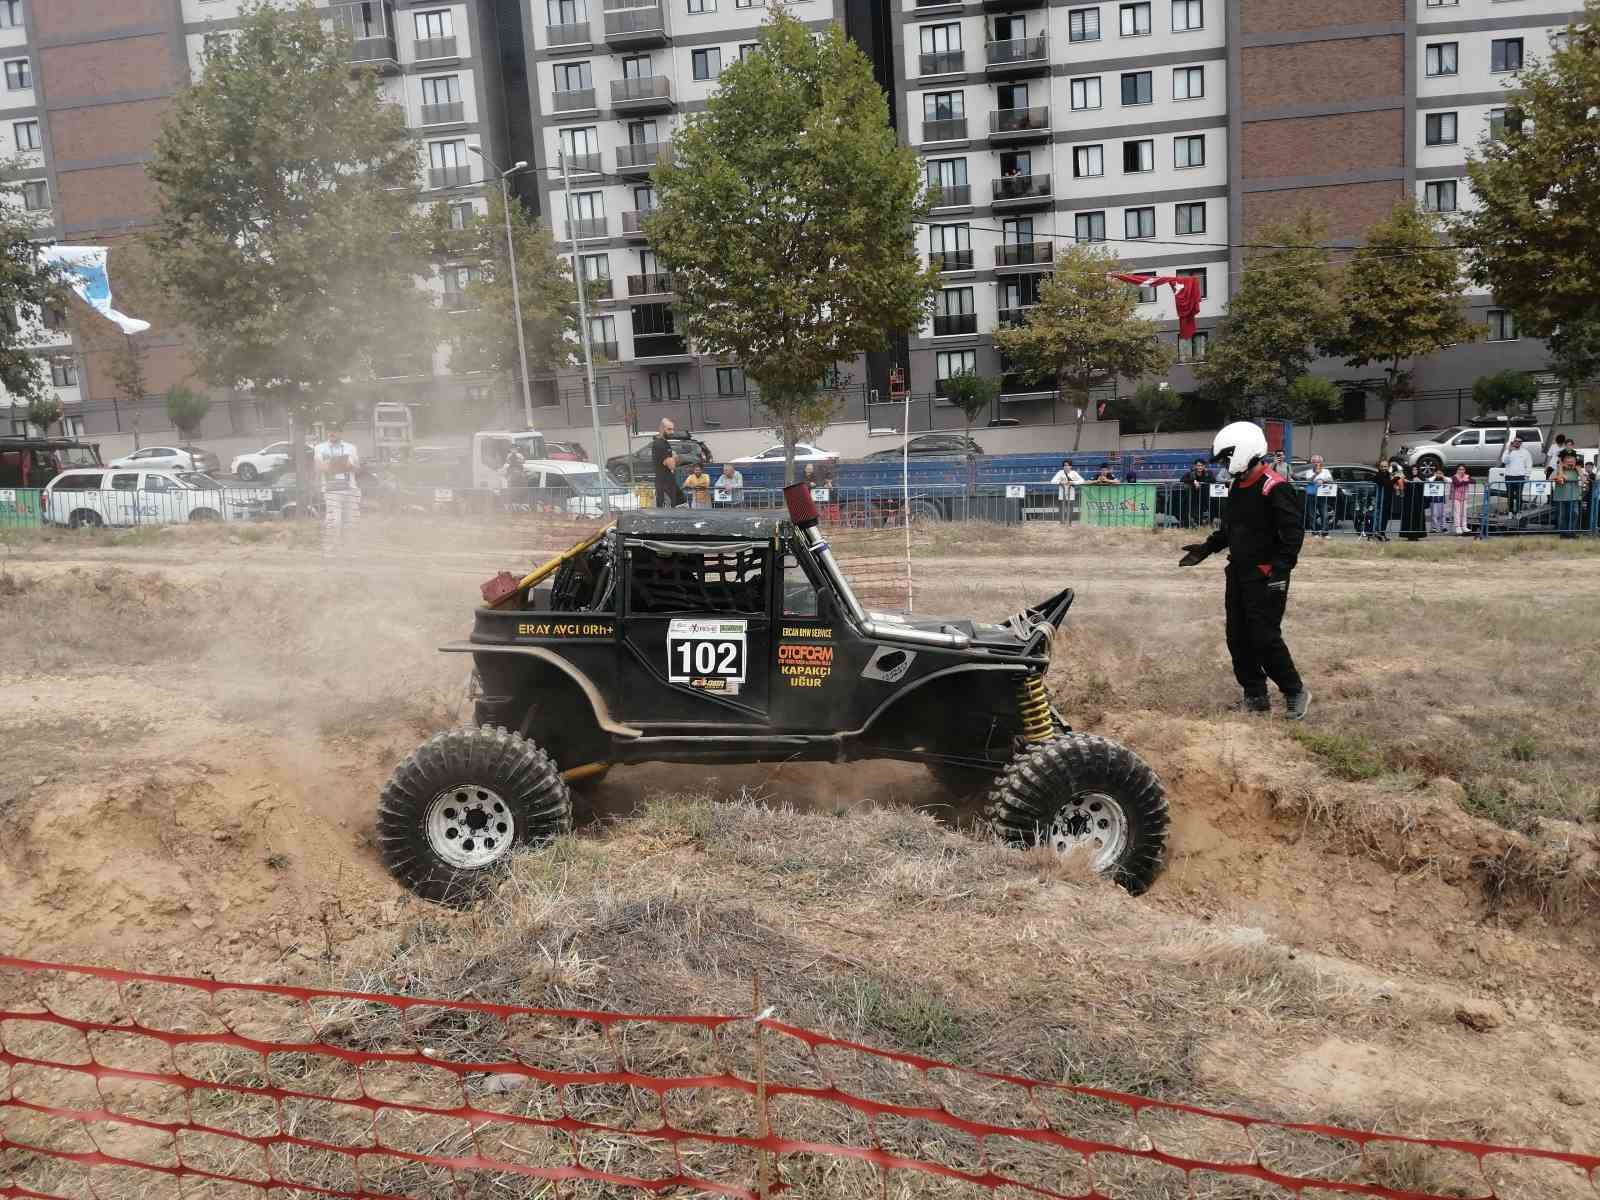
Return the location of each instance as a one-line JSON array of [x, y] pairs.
[[731, 637]]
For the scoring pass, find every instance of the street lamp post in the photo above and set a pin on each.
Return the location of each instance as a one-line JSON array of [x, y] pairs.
[[583, 330], [511, 257]]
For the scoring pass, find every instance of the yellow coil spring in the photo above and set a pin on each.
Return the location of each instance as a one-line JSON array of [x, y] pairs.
[[1033, 706]]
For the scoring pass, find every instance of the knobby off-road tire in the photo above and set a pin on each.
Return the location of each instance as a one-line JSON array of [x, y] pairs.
[[1079, 790], [453, 812]]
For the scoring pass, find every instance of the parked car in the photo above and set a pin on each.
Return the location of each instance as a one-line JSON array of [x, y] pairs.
[[31, 462], [1477, 445], [1352, 503], [171, 458], [804, 452], [929, 445], [108, 496], [565, 452], [639, 466], [579, 488], [263, 463]]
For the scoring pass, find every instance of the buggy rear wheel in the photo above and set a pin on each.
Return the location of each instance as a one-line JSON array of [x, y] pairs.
[[453, 812], [1085, 794]]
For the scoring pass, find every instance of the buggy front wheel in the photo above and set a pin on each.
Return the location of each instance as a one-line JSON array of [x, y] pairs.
[[1079, 793]]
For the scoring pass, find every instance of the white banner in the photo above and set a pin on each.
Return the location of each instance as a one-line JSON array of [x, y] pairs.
[[86, 272]]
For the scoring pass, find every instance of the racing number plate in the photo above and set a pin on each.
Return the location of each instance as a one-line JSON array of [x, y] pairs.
[[708, 654]]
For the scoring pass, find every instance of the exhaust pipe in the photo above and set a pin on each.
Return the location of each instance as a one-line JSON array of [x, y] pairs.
[[803, 512]]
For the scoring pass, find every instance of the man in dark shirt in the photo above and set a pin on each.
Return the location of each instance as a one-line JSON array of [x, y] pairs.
[[1261, 530], [668, 494]]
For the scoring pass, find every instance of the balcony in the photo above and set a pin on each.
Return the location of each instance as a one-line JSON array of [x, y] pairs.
[[432, 49], [598, 288], [944, 62], [996, 6], [922, 4], [1021, 191], [1024, 254], [370, 25], [452, 113], [448, 177], [641, 158], [577, 100], [584, 164], [1020, 56], [1010, 318], [587, 228], [657, 283], [635, 25], [605, 350], [633, 224], [1020, 124], [953, 324], [953, 129], [574, 34], [951, 195], [653, 93], [659, 345], [951, 260]]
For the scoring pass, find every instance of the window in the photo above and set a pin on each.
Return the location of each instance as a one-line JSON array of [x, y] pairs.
[[695, 579], [158, 483], [947, 363], [446, 155], [1139, 222], [1189, 218], [1502, 325], [665, 385], [603, 331], [127, 481], [580, 146], [707, 63], [19, 75], [63, 372], [749, 3], [1088, 162], [1139, 156], [1135, 20], [460, 216], [35, 195], [1083, 25], [435, 24], [595, 267], [10, 14], [53, 318], [1503, 121], [1187, 15], [1189, 150], [940, 39], [1188, 83], [1194, 273], [942, 106], [566, 12], [746, 49], [89, 481], [730, 381], [573, 77], [954, 313], [949, 175], [588, 206], [26, 134], [951, 246], [72, 427], [1147, 295], [1505, 54], [1089, 227], [1443, 3], [1136, 87], [1086, 93], [1440, 129], [644, 197], [1440, 58], [442, 89], [1439, 195], [702, 6], [1194, 349]]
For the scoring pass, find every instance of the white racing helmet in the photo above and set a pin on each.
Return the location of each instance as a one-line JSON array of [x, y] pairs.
[[1239, 446]]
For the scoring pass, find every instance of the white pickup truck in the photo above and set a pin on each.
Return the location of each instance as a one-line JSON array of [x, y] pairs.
[[118, 498]]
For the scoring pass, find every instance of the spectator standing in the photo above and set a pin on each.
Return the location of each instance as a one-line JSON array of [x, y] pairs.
[[514, 472], [1460, 488], [1437, 520], [730, 486], [1197, 495], [337, 461], [1586, 505], [1552, 458], [1566, 486], [1381, 493], [698, 485], [1067, 481], [1317, 476], [1131, 475], [1518, 464], [668, 493], [1105, 474]]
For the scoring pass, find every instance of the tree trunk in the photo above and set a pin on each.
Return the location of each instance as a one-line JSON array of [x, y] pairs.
[[788, 457], [1077, 429]]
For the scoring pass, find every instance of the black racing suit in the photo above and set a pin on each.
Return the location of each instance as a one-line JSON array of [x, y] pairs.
[[1261, 530]]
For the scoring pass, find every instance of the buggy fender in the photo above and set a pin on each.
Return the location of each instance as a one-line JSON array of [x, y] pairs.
[[602, 712], [910, 689]]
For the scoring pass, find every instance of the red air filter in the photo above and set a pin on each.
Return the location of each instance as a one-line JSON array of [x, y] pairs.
[[802, 508], [498, 588]]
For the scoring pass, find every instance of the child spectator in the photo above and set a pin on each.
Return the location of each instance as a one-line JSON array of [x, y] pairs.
[[1437, 521], [1460, 487]]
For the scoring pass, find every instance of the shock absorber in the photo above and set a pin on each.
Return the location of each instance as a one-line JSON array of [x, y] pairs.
[[1033, 707]]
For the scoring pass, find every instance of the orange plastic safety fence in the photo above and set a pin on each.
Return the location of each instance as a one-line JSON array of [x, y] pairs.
[[125, 1084]]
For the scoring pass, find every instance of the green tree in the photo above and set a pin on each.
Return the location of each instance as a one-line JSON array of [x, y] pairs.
[[1285, 306], [1403, 300], [786, 219], [1085, 330], [1150, 407], [1311, 398], [43, 410], [1538, 202], [1505, 392], [27, 287], [186, 410], [482, 327], [287, 240], [971, 393]]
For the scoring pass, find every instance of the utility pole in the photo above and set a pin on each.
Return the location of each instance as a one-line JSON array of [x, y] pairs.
[[511, 257], [583, 330]]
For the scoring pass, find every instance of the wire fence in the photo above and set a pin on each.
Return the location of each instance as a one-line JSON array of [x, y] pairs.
[[122, 1084]]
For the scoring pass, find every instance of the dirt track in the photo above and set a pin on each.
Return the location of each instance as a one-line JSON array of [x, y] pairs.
[[201, 723]]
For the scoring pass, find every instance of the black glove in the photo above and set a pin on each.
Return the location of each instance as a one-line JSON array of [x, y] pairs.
[[1196, 553]]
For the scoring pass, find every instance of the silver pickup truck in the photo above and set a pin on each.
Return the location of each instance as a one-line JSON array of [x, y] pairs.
[[1477, 447]]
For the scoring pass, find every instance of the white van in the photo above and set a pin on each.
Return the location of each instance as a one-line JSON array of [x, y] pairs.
[[120, 498]]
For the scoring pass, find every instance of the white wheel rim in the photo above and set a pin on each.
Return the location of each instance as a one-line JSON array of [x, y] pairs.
[[1090, 821], [470, 827]]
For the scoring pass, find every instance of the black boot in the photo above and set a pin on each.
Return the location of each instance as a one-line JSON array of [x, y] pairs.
[[1254, 702]]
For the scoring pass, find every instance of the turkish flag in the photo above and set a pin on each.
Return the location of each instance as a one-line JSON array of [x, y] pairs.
[[1185, 292]]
